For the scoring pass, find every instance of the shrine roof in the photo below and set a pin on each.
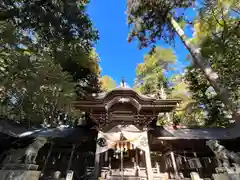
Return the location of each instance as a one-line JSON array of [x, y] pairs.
[[160, 133], [10, 130], [99, 100], [122, 91], [170, 133]]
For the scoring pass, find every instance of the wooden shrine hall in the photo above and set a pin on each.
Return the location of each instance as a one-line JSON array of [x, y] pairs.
[[130, 145], [117, 139], [120, 112]]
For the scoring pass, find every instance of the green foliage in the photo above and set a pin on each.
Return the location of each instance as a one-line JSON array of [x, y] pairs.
[[190, 112], [207, 98], [217, 38], [46, 57], [60, 28], [108, 83], [53, 22], [150, 74], [217, 33], [151, 79], [35, 90], [149, 19]]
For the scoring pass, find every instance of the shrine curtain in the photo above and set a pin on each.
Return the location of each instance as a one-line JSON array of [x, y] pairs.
[[107, 140]]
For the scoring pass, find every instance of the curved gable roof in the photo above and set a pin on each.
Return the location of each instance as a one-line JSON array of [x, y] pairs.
[[118, 100], [124, 91]]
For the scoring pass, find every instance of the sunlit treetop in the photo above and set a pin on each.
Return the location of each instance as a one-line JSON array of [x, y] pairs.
[[108, 83]]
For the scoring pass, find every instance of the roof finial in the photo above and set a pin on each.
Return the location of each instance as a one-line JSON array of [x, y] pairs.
[[123, 82]]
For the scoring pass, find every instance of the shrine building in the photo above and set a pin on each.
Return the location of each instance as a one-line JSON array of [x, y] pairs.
[[119, 139]]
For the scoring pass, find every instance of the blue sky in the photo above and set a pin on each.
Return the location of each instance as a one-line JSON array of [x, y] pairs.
[[118, 57]]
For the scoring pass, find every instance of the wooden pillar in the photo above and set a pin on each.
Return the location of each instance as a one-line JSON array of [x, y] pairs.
[[148, 164], [122, 171], [109, 163], [101, 163], [47, 158], [195, 155], [106, 157], [136, 155], [137, 162], [96, 165], [71, 158], [174, 165], [158, 168]]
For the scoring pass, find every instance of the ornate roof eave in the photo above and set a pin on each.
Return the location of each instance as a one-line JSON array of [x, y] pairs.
[[102, 107], [105, 101], [126, 92], [118, 99], [122, 91]]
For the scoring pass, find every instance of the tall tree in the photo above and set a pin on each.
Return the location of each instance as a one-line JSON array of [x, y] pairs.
[[60, 28], [46, 55], [217, 33], [35, 88], [190, 112], [153, 20], [204, 95], [150, 74]]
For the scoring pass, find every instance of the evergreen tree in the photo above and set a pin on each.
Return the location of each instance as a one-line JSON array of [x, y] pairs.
[[152, 20], [46, 55]]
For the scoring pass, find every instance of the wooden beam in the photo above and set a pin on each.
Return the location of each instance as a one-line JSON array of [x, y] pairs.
[[168, 138], [174, 165], [46, 160], [71, 158], [148, 164]]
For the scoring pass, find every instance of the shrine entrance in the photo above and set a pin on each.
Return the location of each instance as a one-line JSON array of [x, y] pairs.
[[122, 118], [126, 156], [122, 149], [126, 162]]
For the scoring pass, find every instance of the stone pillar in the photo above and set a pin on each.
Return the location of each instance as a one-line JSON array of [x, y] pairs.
[[174, 165]]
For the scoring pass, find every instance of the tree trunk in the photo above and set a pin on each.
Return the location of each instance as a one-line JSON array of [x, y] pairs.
[[204, 65]]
